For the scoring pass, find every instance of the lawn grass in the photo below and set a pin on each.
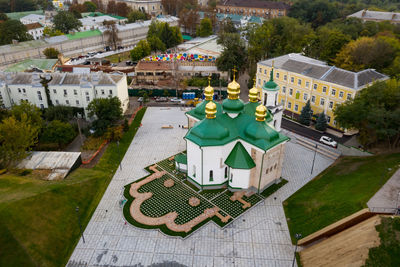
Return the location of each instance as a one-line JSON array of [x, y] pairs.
[[38, 222], [388, 252], [121, 57], [338, 192]]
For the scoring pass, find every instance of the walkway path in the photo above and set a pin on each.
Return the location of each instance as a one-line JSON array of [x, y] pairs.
[[388, 197], [258, 238]]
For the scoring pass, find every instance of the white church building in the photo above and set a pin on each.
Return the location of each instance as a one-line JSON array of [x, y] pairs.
[[235, 145]]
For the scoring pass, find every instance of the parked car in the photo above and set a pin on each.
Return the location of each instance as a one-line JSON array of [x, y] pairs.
[[140, 99], [328, 141], [175, 100], [162, 99]]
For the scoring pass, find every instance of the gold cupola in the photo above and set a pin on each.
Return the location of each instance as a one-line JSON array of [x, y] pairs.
[[253, 93], [233, 88], [211, 110], [209, 91], [261, 113]]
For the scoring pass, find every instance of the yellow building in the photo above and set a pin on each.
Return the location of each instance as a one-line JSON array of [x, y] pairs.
[[302, 78]]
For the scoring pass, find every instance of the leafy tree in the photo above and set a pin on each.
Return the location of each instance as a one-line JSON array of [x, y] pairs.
[[60, 113], [205, 29], [233, 54], [375, 112], [47, 31], [16, 138], [145, 96], [58, 132], [112, 33], [188, 20], [136, 15], [3, 17], [141, 50], [33, 114], [107, 111], [305, 115], [227, 26], [90, 6], [174, 7], [114, 133], [66, 21], [13, 30], [170, 36], [156, 44], [51, 52], [77, 9], [317, 12], [321, 122], [126, 125]]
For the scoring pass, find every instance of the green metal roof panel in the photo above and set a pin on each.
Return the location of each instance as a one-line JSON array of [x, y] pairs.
[[239, 158], [224, 129], [186, 37], [199, 112], [19, 15], [270, 86], [254, 19], [181, 158], [86, 34], [232, 106]]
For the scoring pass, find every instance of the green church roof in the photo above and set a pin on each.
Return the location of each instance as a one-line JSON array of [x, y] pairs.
[[239, 158], [271, 85], [224, 129], [181, 158], [232, 105], [199, 112]]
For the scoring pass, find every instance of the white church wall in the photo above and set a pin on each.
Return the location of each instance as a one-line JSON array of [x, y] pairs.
[[239, 178], [213, 160], [194, 161]]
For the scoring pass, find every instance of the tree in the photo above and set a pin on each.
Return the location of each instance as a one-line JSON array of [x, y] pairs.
[[16, 138], [188, 20], [316, 12], [60, 113], [3, 17], [90, 6], [51, 52], [156, 44], [33, 114], [107, 112], [58, 132], [141, 50], [205, 29], [114, 133], [174, 7], [122, 9], [66, 21], [170, 36], [136, 15], [145, 96], [233, 55], [227, 26], [321, 122], [13, 30], [47, 31], [375, 112], [305, 116], [112, 33]]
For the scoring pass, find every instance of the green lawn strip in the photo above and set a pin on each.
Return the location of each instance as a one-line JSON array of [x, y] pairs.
[[38, 219], [273, 188], [338, 192], [388, 252], [117, 58]]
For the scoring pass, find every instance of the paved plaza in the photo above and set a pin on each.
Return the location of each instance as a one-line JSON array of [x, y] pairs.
[[258, 238]]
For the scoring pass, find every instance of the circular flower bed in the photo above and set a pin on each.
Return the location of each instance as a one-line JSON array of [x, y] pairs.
[[169, 183], [194, 201]]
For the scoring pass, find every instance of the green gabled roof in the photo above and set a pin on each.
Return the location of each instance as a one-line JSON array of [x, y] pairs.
[[186, 37], [232, 106], [181, 158], [239, 158], [250, 109], [199, 112], [43, 64], [224, 129], [271, 85], [85, 34]]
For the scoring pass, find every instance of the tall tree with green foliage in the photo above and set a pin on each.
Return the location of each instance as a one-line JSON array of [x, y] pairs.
[[90, 6], [156, 44], [13, 30], [136, 15], [305, 115], [375, 112], [33, 114], [317, 12], [141, 50], [321, 122], [205, 29], [170, 36], [17, 136], [234, 53], [60, 113], [51, 52], [66, 21], [58, 132], [107, 112]]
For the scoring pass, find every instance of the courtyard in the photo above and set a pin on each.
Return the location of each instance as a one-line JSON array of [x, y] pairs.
[[259, 237]]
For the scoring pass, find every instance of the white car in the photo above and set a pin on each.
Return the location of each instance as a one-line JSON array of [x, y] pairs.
[[328, 141], [175, 100]]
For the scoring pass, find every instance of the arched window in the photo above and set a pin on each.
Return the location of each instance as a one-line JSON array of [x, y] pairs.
[[211, 176], [194, 170], [226, 172], [231, 177]]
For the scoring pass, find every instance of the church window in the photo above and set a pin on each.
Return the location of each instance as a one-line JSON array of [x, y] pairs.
[[194, 170], [275, 166], [266, 171], [231, 177], [211, 176], [226, 172], [270, 169]]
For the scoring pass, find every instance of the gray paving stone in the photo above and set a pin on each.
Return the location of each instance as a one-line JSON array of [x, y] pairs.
[[224, 249], [141, 259], [121, 258], [243, 250], [202, 261], [145, 244], [183, 259], [265, 263], [223, 261], [243, 262]]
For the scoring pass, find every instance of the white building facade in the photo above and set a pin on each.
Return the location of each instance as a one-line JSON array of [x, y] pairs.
[[74, 90]]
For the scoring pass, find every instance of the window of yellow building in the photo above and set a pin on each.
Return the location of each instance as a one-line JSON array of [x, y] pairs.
[[322, 101], [292, 79], [297, 95], [315, 86], [341, 93], [296, 107], [289, 105], [284, 89], [277, 75], [328, 118], [313, 99], [299, 82], [290, 91], [333, 92], [307, 84], [305, 96], [324, 89], [330, 104], [348, 96], [285, 77]]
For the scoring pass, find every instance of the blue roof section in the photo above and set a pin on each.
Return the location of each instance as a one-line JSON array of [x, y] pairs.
[[255, 20], [234, 17]]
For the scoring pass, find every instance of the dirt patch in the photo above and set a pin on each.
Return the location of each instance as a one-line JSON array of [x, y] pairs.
[[96, 159], [351, 167]]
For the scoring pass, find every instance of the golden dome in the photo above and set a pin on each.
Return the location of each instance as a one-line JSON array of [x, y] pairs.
[[233, 87], [253, 95], [209, 91], [211, 110], [261, 113]]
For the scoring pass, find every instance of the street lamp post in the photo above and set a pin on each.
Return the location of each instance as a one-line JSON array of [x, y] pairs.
[[79, 222], [119, 157], [297, 236], [315, 153]]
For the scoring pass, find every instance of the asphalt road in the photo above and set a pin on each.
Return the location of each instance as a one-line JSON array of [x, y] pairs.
[[310, 133]]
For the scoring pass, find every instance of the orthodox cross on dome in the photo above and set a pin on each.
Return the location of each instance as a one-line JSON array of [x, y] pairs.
[[209, 80], [234, 72]]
